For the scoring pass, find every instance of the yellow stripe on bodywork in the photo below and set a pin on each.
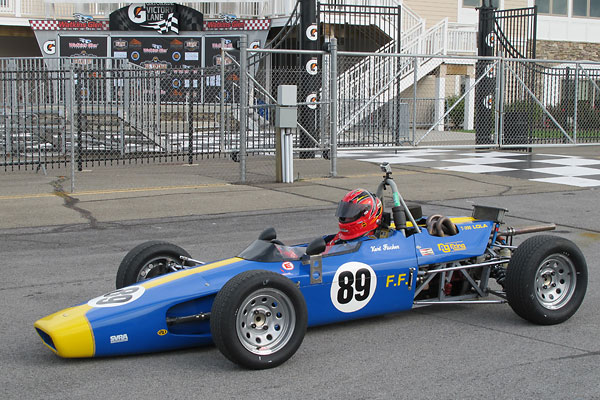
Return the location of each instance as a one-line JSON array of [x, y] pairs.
[[70, 331], [188, 272], [456, 220]]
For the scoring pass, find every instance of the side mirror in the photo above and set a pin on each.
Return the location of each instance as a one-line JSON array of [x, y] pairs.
[[315, 247], [268, 234]]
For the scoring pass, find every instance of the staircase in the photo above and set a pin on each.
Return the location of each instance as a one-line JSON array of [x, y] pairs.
[[380, 79]]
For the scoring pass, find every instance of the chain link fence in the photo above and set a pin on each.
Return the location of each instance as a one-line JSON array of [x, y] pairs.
[[83, 113]]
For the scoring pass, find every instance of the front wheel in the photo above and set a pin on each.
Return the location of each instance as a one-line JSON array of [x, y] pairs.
[[258, 319], [546, 280], [148, 260]]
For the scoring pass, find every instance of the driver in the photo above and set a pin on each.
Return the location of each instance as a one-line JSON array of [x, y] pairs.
[[359, 215]]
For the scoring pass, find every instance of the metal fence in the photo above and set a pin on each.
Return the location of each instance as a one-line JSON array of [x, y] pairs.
[[81, 113]]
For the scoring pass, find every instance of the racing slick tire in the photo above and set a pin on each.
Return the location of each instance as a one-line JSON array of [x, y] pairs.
[[148, 260], [258, 319], [546, 279]]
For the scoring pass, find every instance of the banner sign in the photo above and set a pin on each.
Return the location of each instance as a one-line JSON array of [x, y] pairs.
[[159, 17], [213, 51], [67, 25], [231, 23], [83, 46], [159, 52]]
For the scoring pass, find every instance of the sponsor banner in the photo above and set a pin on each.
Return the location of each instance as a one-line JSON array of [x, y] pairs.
[[83, 46], [233, 24], [68, 25], [213, 50], [158, 52], [159, 17]]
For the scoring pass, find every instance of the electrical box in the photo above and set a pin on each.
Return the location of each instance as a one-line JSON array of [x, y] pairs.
[[286, 111], [286, 95]]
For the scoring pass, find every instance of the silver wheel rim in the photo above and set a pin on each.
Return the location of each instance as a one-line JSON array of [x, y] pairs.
[[555, 281], [265, 322], [155, 267]]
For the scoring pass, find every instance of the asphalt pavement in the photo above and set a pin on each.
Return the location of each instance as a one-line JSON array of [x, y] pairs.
[[60, 248]]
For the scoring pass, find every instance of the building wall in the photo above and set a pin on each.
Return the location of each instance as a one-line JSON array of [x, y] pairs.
[[434, 11], [561, 50], [508, 4]]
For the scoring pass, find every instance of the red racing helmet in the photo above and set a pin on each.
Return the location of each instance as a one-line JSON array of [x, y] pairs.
[[359, 213]]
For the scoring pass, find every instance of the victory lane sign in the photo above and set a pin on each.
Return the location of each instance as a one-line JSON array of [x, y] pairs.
[[160, 17]]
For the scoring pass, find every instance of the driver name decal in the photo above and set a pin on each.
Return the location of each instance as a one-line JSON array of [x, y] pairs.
[[384, 247], [353, 286], [118, 297]]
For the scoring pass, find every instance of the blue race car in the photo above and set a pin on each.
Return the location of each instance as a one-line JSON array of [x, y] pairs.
[[256, 307]]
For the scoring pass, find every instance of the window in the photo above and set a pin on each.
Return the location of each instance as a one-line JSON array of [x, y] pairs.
[[477, 3], [555, 7], [586, 8]]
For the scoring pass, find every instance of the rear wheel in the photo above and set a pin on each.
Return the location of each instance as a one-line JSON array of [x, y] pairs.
[[258, 319], [546, 280], [148, 260]]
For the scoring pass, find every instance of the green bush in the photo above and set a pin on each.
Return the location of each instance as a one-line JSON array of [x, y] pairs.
[[457, 114]]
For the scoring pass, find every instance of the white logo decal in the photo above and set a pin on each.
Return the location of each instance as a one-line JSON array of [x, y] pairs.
[[488, 101], [353, 286], [312, 67], [118, 297], [311, 32], [490, 39], [119, 338], [50, 47], [137, 13], [311, 98]]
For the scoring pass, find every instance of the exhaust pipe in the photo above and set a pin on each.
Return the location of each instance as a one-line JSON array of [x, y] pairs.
[[510, 231]]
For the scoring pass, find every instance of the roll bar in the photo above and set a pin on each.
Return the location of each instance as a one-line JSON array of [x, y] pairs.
[[396, 196]]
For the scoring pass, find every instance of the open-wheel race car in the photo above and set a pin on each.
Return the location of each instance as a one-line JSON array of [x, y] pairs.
[[256, 307]]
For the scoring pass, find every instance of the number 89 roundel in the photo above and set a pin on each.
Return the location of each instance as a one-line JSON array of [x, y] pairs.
[[353, 286]]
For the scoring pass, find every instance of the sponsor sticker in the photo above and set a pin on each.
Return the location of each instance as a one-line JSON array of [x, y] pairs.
[[119, 338], [426, 252], [288, 266]]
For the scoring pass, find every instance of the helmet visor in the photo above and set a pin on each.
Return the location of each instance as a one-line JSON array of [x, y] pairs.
[[350, 212]]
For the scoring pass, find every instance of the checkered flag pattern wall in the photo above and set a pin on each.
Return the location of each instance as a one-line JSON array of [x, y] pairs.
[[170, 24]]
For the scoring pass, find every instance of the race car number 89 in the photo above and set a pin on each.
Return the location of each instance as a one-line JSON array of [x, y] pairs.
[[353, 286], [118, 297]]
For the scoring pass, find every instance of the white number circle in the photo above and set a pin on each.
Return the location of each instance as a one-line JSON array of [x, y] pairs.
[[353, 286], [118, 297]]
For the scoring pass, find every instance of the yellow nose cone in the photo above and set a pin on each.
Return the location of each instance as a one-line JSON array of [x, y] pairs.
[[68, 332]]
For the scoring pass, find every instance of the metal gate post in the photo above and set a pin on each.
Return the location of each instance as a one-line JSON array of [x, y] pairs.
[[243, 104], [13, 113], [333, 109], [415, 80], [576, 95], [499, 125], [71, 96], [222, 99]]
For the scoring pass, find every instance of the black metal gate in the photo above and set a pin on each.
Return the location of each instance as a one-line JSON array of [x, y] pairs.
[[508, 34]]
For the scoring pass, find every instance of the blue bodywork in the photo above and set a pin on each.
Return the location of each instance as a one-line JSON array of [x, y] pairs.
[[370, 277]]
